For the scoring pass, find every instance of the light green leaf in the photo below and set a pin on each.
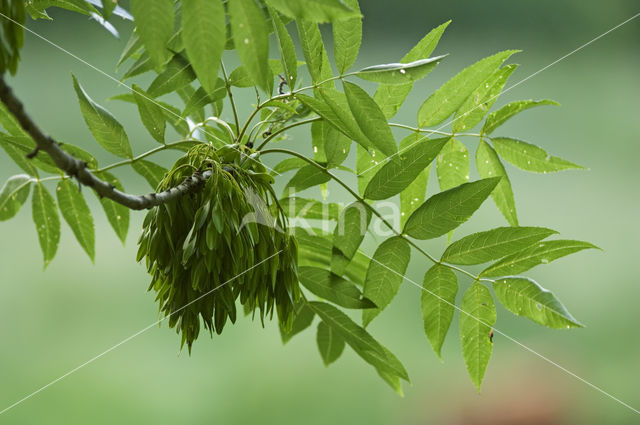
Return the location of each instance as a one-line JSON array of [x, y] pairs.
[[450, 97], [151, 172], [133, 46], [489, 165], [367, 165], [347, 37], [440, 287], [9, 122], [142, 64], [497, 118], [541, 253], [479, 248], [524, 297], [105, 128], [339, 106], [118, 215], [107, 7], [302, 318], [399, 73], [204, 34], [414, 195], [306, 177], [453, 165], [314, 51], [286, 47], [309, 209], [385, 275], [529, 157], [389, 97], [13, 195], [251, 37], [317, 11], [151, 114], [77, 215], [350, 230], [154, 25], [18, 147], [333, 288], [175, 76], [330, 343], [289, 164], [359, 339], [201, 98], [47, 221], [395, 176], [370, 119], [481, 100], [477, 316], [80, 154], [336, 146], [447, 210]]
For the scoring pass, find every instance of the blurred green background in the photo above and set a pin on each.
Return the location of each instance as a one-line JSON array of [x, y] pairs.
[[53, 321]]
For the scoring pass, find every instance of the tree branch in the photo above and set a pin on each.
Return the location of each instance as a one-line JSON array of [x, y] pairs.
[[78, 169]]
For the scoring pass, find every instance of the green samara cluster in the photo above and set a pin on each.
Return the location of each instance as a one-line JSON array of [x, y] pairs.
[[211, 248]]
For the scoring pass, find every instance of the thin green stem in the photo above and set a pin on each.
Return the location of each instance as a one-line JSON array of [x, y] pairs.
[[372, 209], [233, 104]]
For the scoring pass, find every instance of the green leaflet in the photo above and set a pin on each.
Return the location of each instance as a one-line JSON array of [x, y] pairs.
[[440, 287], [302, 319], [142, 64], [286, 47], [389, 97], [316, 11], [529, 157], [18, 147], [251, 37], [347, 37], [77, 215], [336, 146], [339, 105], [359, 339], [450, 97], [154, 25], [314, 52], [524, 297], [481, 100], [151, 114], [385, 275], [330, 343], [542, 253], [367, 165], [151, 172], [482, 247], [47, 221], [105, 128], [289, 164], [414, 194], [477, 316], [332, 288], [453, 165], [447, 210], [201, 98], [350, 230], [9, 123], [399, 73], [306, 177], [318, 138], [13, 195], [204, 34], [107, 7], [81, 154], [309, 209], [395, 176], [133, 46], [489, 165], [118, 215], [497, 118], [370, 119], [176, 75]]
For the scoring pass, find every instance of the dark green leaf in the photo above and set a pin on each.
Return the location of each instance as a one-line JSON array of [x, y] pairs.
[[251, 37], [314, 10], [289, 164], [332, 288], [541, 253], [351, 227], [151, 172], [497, 118], [302, 318], [479, 248], [105, 128], [154, 25], [396, 175], [339, 106], [47, 221], [399, 73], [450, 97], [477, 316], [453, 165], [330, 343], [530, 157], [385, 275], [176, 75], [286, 47], [488, 165], [309, 209], [347, 37], [524, 297], [200, 98], [306, 177], [13, 195], [447, 210], [18, 147], [80, 154], [77, 215], [151, 114], [367, 165], [118, 215], [440, 287]]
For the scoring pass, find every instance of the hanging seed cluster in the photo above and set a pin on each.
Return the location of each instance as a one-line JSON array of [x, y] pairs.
[[219, 245]]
